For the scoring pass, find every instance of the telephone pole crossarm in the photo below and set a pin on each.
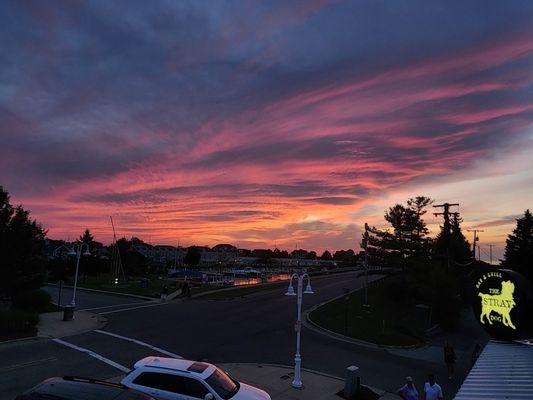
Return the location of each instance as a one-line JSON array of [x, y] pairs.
[[476, 239], [447, 227]]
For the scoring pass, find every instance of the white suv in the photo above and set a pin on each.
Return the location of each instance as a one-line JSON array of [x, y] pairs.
[[173, 379]]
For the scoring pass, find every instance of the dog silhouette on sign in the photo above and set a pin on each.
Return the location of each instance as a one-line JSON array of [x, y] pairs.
[[498, 303]]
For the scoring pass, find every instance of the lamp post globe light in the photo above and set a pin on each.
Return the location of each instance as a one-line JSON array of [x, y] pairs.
[[297, 382], [76, 250]]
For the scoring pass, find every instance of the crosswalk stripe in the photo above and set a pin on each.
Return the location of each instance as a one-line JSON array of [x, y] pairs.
[[92, 354], [139, 342]]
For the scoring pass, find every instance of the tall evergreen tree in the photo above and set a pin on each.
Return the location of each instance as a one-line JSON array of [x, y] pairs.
[[408, 239], [459, 248], [21, 242], [87, 237], [519, 247]]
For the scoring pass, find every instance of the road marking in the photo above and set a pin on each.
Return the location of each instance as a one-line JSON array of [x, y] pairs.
[[132, 308], [113, 306], [93, 354], [140, 343], [27, 364]]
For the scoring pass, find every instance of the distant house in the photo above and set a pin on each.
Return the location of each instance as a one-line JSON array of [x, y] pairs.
[[55, 248], [161, 255]]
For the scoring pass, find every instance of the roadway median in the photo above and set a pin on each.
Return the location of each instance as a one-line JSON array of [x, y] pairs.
[[380, 323], [234, 292]]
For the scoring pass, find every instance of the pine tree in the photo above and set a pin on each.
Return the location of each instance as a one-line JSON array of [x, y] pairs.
[[21, 243], [459, 246], [519, 247], [87, 237], [408, 240]]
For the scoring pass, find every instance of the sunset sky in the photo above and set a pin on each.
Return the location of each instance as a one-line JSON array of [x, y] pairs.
[[265, 123]]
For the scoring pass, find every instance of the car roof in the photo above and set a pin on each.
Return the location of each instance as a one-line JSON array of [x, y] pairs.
[[195, 368], [82, 389]]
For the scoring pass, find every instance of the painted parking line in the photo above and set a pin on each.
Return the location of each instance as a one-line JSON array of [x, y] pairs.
[[93, 354], [139, 342]]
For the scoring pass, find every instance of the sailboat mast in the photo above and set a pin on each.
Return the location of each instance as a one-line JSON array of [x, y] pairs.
[[116, 263]]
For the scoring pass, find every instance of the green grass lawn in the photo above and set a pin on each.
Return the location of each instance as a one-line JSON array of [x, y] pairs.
[[242, 291], [387, 323], [129, 286]]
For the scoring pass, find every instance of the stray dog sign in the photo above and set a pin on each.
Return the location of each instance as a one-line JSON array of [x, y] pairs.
[[501, 302]]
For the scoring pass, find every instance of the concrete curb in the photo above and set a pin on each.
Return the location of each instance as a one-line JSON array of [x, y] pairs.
[[289, 367], [173, 295], [101, 322], [21, 340], [106, 292], [310, 324], [198, 295], [228, 289], [379, 392]]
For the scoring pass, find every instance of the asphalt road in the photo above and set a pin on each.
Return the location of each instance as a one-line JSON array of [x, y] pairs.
[[259, 328], [89, 300]]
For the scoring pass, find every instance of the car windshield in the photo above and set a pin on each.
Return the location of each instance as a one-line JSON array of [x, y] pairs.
[[222, 384]]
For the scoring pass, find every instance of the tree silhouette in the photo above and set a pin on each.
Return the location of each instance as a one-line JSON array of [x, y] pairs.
[[87, 238], [192, 258], [21, 242], [518, 254], [408, 240], [459, 247]]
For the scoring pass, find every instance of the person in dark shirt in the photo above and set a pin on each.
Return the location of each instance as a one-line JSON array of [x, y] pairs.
[[449, 358]]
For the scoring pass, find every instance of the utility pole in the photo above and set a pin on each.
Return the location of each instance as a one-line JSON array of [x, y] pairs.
[[490, 247], [476, 239], [447, 227]]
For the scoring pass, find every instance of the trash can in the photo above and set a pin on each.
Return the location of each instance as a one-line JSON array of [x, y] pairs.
[[68, 313]]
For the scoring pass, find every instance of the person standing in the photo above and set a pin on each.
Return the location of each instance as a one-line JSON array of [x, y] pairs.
[[449, 358], [432, 390], [164, 293], [408, 391]]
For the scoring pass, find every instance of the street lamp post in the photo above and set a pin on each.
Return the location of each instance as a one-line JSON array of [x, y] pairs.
[[297, 382], [77, 248], [365, 246]]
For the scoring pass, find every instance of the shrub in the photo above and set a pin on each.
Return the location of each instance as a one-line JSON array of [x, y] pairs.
[[35, 301], [17, 323]]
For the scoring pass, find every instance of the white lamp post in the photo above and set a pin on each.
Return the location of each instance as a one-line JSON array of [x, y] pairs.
[[297, 382], [76, 251]]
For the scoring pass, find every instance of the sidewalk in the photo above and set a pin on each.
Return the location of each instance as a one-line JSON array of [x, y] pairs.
[[52, 324], [135, 296], [276, 381]]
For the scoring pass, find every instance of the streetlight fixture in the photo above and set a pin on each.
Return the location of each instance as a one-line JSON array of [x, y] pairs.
[[76, 250], [297, 382]]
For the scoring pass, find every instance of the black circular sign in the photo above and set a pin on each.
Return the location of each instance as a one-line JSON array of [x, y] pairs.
[[502, 302]]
